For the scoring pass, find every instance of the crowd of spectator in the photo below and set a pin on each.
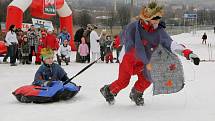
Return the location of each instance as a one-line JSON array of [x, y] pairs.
[[23, 45]]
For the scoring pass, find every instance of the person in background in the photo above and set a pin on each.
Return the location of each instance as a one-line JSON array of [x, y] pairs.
[[64, 53], [204, 38], [43, 39], [86, 35], [33, 39], [64, 35], [19, 35], [25, 50], [77, 38], [94, 44], [39, 48], [12, 42], [51, 40], [214, 29], [102, 45], [117, 45], [108, 49], [83, 50]]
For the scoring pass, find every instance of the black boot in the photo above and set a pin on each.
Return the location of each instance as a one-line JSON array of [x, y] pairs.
[[37, 63], [59, 63], [13, 64], [136, 96], [107, 94], [23, 62], [67, 62]]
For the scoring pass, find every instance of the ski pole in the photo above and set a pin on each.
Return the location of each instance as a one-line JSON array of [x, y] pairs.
[[211, 52], [208, 52], [85, 68]]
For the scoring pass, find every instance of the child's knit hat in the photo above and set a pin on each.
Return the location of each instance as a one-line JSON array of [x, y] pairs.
[[46, 53]]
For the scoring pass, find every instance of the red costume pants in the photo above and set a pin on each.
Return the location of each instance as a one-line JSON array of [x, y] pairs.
[[127, 68]]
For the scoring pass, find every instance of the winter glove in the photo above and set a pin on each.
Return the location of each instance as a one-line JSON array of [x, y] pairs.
[[191, 56], [194, 58], [38, 82], [47, 84]]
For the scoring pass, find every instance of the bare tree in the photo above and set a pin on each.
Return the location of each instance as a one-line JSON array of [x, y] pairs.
[[112, 20], [82, 18], [3, 13], [123, 15]]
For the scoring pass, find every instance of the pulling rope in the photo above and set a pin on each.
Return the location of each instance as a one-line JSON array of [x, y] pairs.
[[85, 68]]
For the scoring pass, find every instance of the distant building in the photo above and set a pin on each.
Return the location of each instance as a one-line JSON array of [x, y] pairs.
[[176, 6]]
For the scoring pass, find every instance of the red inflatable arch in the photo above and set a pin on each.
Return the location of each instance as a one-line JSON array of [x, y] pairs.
[[16, 9]]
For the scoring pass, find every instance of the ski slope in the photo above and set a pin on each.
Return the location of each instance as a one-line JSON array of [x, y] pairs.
[[196, 102]]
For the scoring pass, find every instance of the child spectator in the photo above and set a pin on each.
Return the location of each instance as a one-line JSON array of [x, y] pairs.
[[25, 50], [64, 53], [43, 38], [83, 50], [108, 49], [39, 48], [49, 71], [41, 45], [117, 45]]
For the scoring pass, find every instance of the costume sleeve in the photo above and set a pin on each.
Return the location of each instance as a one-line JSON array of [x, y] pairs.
[[173, 46], [96, 35], [165, 40], [7, 38]]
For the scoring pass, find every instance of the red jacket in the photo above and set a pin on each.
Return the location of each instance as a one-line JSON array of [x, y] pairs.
[[51, 42], [117, 42], [38, 59]]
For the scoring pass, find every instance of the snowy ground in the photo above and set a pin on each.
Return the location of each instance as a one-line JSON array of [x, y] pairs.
[[194, 103]]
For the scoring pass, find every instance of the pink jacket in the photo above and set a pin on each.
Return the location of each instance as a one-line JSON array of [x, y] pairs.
[[83, 49]]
